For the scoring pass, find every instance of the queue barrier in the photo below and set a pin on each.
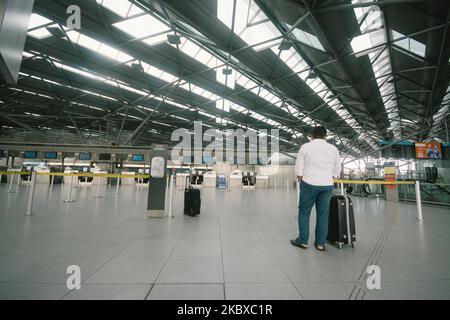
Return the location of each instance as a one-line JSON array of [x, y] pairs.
[[81, 174], [142, 176], [380, 182], [33, 174], [373, 182]]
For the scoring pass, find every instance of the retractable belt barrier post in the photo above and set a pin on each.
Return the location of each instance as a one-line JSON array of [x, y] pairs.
[[118, 185], [11, 184], [98, 196], [31, 194], [34, 175], [419, 202], [171, 195], [69, 200]]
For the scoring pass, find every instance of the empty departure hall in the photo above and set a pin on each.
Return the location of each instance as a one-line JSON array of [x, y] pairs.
[[224, 150]]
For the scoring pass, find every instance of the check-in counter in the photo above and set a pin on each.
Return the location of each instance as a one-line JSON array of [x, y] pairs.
[[101, 180], [128, 180], [42, 179], [68, 179], [248, 180], [26, 178], [236, 179], [196, 179], [181, 179], [209, 179], [85, 181], [262, 182], [142, 182]]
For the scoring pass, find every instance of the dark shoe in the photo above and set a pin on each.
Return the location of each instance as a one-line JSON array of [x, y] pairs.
[[320, 248], [299, 244]]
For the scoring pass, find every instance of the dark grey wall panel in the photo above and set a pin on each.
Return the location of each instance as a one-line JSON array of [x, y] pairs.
[[14, 20]]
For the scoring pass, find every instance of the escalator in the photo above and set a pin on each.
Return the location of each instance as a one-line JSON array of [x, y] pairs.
[[435, 193]]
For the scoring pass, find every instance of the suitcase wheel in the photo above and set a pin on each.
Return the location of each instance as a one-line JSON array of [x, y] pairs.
[[339, 245]]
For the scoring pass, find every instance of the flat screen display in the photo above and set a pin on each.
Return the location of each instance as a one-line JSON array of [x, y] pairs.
[[428, 150], [30, 154], [51, 155], [104, 157], [85, 156], [137, 157]]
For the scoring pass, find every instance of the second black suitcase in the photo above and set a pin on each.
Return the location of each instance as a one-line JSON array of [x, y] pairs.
[[341, 222], [192, 202]]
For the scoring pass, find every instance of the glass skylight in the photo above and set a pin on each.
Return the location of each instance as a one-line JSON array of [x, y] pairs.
[[123, 8], [130, 26], [37, 21], [145, 27], [441, 114], [409, 44], [261, 29], [307, 38], [247, 14], [97, 46]]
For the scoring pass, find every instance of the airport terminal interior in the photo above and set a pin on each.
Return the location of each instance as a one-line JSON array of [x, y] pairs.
[[148, 148]]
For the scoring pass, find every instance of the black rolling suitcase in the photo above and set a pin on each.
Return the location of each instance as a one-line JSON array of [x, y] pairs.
[[341, 222], [192, 202]]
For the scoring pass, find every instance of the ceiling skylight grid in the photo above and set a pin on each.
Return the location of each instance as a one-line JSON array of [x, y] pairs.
[[443, 112], [297, 63], [365, 44], [264, 31]]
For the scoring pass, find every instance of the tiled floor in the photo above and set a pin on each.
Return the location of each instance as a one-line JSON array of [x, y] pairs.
[[238, 248]]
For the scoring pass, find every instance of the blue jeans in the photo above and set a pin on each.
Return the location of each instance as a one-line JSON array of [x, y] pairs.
[[321, 197]]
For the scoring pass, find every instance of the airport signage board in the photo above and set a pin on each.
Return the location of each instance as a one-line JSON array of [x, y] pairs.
[[428, 150], [390, 174]]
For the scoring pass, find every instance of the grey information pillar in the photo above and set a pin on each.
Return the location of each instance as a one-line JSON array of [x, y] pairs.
[[157, 184]]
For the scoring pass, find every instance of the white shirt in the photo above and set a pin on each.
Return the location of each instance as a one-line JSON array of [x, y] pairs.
[[318, 162]]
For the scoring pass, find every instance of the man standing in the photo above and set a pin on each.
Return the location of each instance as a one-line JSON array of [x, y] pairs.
[[317, 163]]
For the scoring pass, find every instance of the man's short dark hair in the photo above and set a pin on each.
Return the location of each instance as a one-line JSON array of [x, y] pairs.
[[319, 132]]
